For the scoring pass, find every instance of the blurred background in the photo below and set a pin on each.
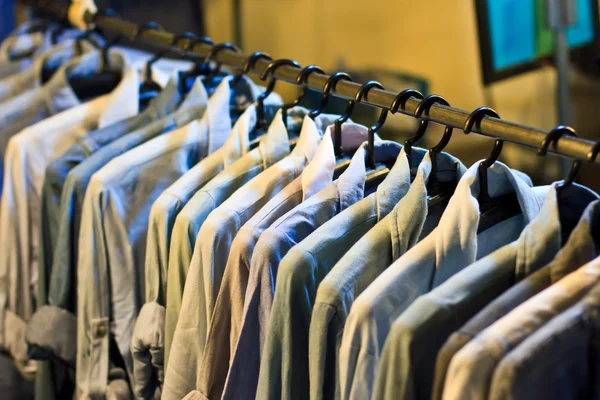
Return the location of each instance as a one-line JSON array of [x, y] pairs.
[[434, 46]]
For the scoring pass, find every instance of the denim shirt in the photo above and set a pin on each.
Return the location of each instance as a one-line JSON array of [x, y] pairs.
[[428, 322], [559, 361], [149, 332], [352, 261], [58, 170], [283, 315], [578, 250], [451, 246], [225, 325], [52, 98], [210, 257], [471, 370], [115, 221], [27, 156]]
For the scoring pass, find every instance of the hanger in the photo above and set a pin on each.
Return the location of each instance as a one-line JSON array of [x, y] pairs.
[[187, 78], [375, 173], [271, 68], [300, 81], [400, 102], [214, 52], [149, 87], [105, 80], [568, 221], [249, 65], [493, 211], [327, 88], [436, 191], [146, 96]]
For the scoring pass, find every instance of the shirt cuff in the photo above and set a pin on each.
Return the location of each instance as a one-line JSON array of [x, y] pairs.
[[147, 348], [52, 331]]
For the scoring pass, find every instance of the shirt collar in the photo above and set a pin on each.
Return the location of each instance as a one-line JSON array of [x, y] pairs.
[[218, 115], [275, 143], [309, 138], [57, 92], [319, 171], [196, 98], [166, 102], [123, 101], [541, 239], [459, 222]]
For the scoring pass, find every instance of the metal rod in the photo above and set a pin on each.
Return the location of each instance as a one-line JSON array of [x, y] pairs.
[[523, 135]]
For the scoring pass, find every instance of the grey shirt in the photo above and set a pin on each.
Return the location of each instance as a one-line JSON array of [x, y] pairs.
[[408, 358], [579, 249], [558, 361], [356, 261]]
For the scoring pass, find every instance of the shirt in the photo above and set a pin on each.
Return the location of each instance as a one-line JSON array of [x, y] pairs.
[[31, 78], [407, 366], [23, 46], [578, 250], [210, 256], [27, 156], [53, 97], [62, 290], [114, 222], [149, 332], [284, 317], [57, 171], [560, 360], [225, 325], [273, 146], [451, 246], [391, 225], [472, 368]]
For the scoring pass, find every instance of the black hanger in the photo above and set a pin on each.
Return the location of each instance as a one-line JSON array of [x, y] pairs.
[[492, 210], [187, 78], [214, 52], [149, 87], [300, 81], [568, 216], [262, 123], [327, 88], [146, 96], [435, 190], [375, 173], [400, 103], [249, 65]]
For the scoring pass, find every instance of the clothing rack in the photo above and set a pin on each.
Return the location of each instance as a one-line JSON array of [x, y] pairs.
[[564, 146]]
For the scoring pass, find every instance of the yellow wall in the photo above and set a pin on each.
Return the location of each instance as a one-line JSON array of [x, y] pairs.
[[435, 39]]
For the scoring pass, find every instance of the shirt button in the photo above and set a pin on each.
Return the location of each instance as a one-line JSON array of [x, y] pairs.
[[101, 331]]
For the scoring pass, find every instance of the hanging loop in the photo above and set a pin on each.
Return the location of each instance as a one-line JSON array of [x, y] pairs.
[[327, 88], [423, 107], [174, 43], [148, 26], [556, 134], [553, 136], [271, 68], [214, 52], [475, 118], [363, 92], [400, 103], [249, 64], [300, 81]]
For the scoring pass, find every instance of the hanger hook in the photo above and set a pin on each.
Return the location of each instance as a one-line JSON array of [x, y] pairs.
[[327, 88], [556, 134], [475, 118], [300, 81], [249, 64], [214, 52], [400, 102], [174, 43], [553, 136], [363, 92], [424, 107], [271, 68], [148, 26]]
